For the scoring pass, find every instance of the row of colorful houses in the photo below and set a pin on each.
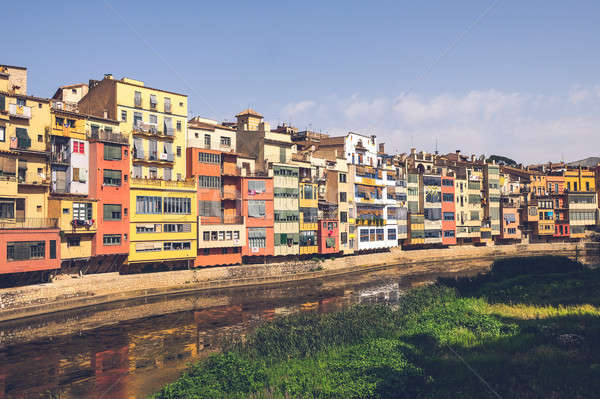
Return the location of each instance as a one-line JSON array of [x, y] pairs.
[[114, 175]]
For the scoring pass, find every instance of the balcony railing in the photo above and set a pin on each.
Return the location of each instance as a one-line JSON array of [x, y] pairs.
[[28, 223], [19, 111], [61, 157], [32, 178], [153, 156], [152, 130], [107, 135], [207, 220]]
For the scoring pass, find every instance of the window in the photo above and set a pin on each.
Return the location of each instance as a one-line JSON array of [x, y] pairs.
[[25, 250], [167, 104], [167, 173], [364, 235], [256, 187], [207, 141], [112, 212], [112, 177], [179, 126], [256, 209], [344, 238], [206, 157], [343, 196], [177, 205], [153, 119], [82, 211], [226, 141], [257, 237], [41, 139], [447, 197], [209, 182], [176, 245], [379, 234], [112, 152], [153, 101], [2, 133], [137, 98], [392, 234], [178, 151], [123, 116], [137, 118], [448, 216], [7, 209], [111, 239], [73, 241], [307, 238], [209, 208], [343, 217], [52, 249], [447, 182], [177, 228], [307, 191], [474, 215], [448, 233], [587, 186], [148, 228], [148, 205], [137, 171]]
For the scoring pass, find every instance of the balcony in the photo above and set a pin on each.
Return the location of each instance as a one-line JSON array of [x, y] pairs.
[[231, 170], [107, 135], [162, 184], [20, 142], [207, 220], [32, 178], [8, 185], [62, 157], [153, 156], [82, 226], [151, 130], [29, 223], [19, 111]]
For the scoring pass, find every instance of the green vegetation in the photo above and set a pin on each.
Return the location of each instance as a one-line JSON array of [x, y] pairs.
[[501, 160], [528, 329]]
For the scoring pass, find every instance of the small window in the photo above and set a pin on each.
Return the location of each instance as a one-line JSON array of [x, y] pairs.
[[179, 126], [178, 151], [73, 241], [123, 116], [2, 133], [40, 138]]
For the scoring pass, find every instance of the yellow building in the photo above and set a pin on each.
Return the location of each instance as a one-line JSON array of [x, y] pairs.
[[163, 224], [163, 221], [78, 223], [580, 180], [24, 126], [309, 210]]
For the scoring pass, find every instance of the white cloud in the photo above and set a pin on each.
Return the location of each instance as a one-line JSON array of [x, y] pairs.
[[529, 127]]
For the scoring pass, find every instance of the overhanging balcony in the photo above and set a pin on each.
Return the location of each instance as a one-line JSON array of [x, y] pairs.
[[151, 130], [207, 220], [19, 111], [28, 223], [108, 136]]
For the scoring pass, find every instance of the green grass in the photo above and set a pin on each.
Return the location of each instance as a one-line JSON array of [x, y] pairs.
[[510, 327]]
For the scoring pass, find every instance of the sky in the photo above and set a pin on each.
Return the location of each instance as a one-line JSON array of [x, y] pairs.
[[513, 78]]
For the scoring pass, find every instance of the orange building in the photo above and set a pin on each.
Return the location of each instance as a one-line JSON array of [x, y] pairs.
[[328, 236], [29, 245], [448, 211], [257, 208], [109, 184]]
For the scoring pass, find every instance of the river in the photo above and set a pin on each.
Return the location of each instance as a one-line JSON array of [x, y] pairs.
[[131, 349]]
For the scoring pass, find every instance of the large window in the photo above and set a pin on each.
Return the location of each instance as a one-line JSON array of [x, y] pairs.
[[226, 141], [446, 197], [177, 228], [82, 211], [112, 152], [343, 196], [209, 182], [176, 245], [307, 191], [256, 209], [206, 157], [209, 208], [25, 250], [343, 217], [177, 205], [256, 186], [112, 177], [308, 239], [148, 205], [448, 216], [112, 212], [257, 237], [391, 234], [111, 239], [7, 209]]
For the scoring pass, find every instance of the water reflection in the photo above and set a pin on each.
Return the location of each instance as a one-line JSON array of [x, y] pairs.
[[130, 350]]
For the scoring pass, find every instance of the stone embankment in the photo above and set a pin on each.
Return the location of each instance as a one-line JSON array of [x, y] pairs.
[[71, 292]]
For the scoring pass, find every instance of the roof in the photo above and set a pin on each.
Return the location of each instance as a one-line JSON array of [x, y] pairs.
[[249, 111], [207, 126], [13, 66]]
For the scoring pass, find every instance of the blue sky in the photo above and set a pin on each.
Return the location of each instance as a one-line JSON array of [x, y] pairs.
[[511, 77]]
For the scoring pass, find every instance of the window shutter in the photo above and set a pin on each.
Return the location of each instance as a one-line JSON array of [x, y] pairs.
[[75, 174], [2, 103]]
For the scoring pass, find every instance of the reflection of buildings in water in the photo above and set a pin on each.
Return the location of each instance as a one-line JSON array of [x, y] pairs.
[[388, 293], [110, 370], [19, 379]]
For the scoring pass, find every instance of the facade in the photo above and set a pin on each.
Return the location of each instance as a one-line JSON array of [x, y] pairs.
[[257, 209], [448, 211]]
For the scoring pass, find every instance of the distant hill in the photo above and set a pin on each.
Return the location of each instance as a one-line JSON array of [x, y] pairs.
[[589, 162]]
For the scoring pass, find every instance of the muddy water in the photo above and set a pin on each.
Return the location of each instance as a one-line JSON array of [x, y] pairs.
[[131, 349]]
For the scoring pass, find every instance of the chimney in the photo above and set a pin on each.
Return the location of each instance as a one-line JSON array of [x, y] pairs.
[[105, 114], [458, 152], [472, 157], [413, 151], [108, 76], [381, 148]]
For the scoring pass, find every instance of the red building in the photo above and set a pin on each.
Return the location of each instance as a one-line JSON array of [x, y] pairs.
[[109, 184], [257, 208], [221, 231], [29, 245], [328, 236], [448, 211], [556, 191], [509, 222]]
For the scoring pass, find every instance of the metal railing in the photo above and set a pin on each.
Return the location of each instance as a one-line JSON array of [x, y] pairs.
[[107, 135], [28, 223], [19, 111], [63, 157], [32, 178], [207, 220]]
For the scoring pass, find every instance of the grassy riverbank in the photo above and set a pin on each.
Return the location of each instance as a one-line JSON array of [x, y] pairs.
[[530, 328]]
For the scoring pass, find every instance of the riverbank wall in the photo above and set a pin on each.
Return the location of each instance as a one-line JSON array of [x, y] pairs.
[[73, 292]]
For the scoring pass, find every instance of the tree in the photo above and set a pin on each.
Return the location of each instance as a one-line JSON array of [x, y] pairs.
[[500, 160]]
